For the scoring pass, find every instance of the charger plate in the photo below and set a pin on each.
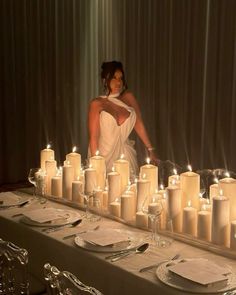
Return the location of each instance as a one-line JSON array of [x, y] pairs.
[[9, 199], [71, 216], [133, 241], [177, 282]]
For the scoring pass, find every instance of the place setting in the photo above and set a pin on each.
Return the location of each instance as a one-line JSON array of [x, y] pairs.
[[12, 199]]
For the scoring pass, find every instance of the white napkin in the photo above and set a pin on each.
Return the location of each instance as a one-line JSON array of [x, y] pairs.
[[9, 199], [201, 271], [105, 237], [45, 215]]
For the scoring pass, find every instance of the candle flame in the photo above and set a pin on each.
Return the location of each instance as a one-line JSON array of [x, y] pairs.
[[235, 236], [97, 153], [74, 149], [144, 176], [189, 168], [48, 146], [164, 196], [129, 182], [189, 203], [204, 207], [208, 201], [161, 186], [113, 169], [106, 188], [175, 171], [148, 160], [216, 180], [122, 156], [51, 158], [90, 165], [77, 177], [221, 192], [98, 187], [117, 200], [136, 180], [227, 174], [156, 191], [173, 181]]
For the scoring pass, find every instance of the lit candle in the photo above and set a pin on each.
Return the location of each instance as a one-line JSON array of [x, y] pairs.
[[204, 225], [161, 191], [75, 161], [46, 155], [68, 174], [233, 235], [174, 179], [220, 220], [190, 220], [228, 186], [77, 192], [143, 191], [190, 185], [214, 189], [98, 163], [115, 208], [122, 167], [141, 219], [56, 186], [114, 187], [151, 173], [174, 207], [128, 208], [51, 171], [202, 202], [90, 180]]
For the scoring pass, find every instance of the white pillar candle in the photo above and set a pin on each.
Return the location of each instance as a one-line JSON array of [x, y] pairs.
[[233, 235], [90, 178], [51, 170], [127, 206], [98, 198], [98, 163], [152, 208], [151, 174], [220, 221], [115, 208], [75, 161], [190, 221], [68, 174], [214, 190], [77, 192], [56, 186], [174, 180], [228, 186], [122, 167], [190, 185], [204, 225], [141, 220], [45, 155], [105, 199], [174, 207], [114, 187], [143, 191], [202, 202]]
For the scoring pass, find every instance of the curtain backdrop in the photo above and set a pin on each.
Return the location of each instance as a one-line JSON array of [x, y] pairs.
[[180, 62]]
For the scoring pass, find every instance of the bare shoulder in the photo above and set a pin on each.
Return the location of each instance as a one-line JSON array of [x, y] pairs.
[[129, 98], [96, 104]]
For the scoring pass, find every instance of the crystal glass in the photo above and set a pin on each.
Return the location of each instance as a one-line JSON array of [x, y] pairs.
[[92, 204], [37, 177], [32, 177]]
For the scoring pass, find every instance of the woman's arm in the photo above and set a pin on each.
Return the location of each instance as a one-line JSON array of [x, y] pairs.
[[139, 126], [93, 125]]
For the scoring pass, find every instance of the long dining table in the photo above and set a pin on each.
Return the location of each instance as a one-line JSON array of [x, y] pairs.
[[111, 278]]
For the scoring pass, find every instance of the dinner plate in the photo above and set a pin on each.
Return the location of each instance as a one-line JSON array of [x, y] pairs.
[[177, 282], [71, 216], [10, 199], [133, 241]]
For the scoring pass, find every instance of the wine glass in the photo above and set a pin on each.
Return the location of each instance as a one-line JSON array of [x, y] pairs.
[[37, 178], [32, 177], [91, 202]]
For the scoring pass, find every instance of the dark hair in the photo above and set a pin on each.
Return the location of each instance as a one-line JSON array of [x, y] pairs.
[[108, 71]]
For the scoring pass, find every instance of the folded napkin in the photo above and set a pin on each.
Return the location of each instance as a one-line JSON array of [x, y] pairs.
[[45, 215], [9, 199], [201, 271], [105, 237]]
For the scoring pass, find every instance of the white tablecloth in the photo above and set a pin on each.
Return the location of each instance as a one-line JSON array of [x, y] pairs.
[[121, 277]]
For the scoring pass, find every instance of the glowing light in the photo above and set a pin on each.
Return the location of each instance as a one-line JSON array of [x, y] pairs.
[[216, 180], [204, 207], [156, 191], [175, 171], [221, 192], [148, 160], [48, 146], [90, 165], [122, 156], [144, 176], [113, 169], [97, 153], [189, 203], [161, 186], [227, 174], [189, 168], [74, 149], [173, 181]]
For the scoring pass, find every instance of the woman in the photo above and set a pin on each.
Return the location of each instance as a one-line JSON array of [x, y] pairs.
[[112, 118]]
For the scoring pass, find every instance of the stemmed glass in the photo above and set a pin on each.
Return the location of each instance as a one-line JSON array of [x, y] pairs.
[[90, 201], [32, 177], [37, 178]]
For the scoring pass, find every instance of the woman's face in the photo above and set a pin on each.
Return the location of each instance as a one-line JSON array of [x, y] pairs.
[[116, 83]]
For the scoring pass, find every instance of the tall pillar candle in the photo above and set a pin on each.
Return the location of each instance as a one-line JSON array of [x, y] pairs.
[[122, 167], [56, 186], [98, 163], [190, 221], [77, 192], [46, 155], [214, 190], [174, 207], [233, 235], [90, 178], [51, 170], [228, 186], [114, 187], [204, 225], [143, 191], [151, 174], [68, 175], [75, 161], [190, 185], [220, 221], [127, 206], [174, 180]]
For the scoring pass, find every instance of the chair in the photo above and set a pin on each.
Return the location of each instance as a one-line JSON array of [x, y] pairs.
[[14, 276], [65, 283]]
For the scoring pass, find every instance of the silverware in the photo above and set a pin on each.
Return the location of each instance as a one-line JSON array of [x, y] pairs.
[[82, 232], [138, 250], [57, 228], [157, 264], [18, 214]]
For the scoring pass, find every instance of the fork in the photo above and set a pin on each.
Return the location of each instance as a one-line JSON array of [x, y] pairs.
[[82, 232], [157, 264], [57, 228]]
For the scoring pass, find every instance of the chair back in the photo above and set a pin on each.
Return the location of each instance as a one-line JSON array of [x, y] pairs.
[[65, 283], [13, 269]]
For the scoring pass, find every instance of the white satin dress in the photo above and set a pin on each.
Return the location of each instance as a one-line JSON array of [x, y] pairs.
[[114, 139]]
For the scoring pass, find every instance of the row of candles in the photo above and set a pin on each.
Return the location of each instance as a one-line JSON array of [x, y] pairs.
[[213, 219]]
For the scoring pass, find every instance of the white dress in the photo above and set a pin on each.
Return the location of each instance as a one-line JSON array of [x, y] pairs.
[[114, 139]]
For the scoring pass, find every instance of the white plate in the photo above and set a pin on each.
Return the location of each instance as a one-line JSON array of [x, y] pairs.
[[10, 199], [72, 217], [177, 282], [134, 241]]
